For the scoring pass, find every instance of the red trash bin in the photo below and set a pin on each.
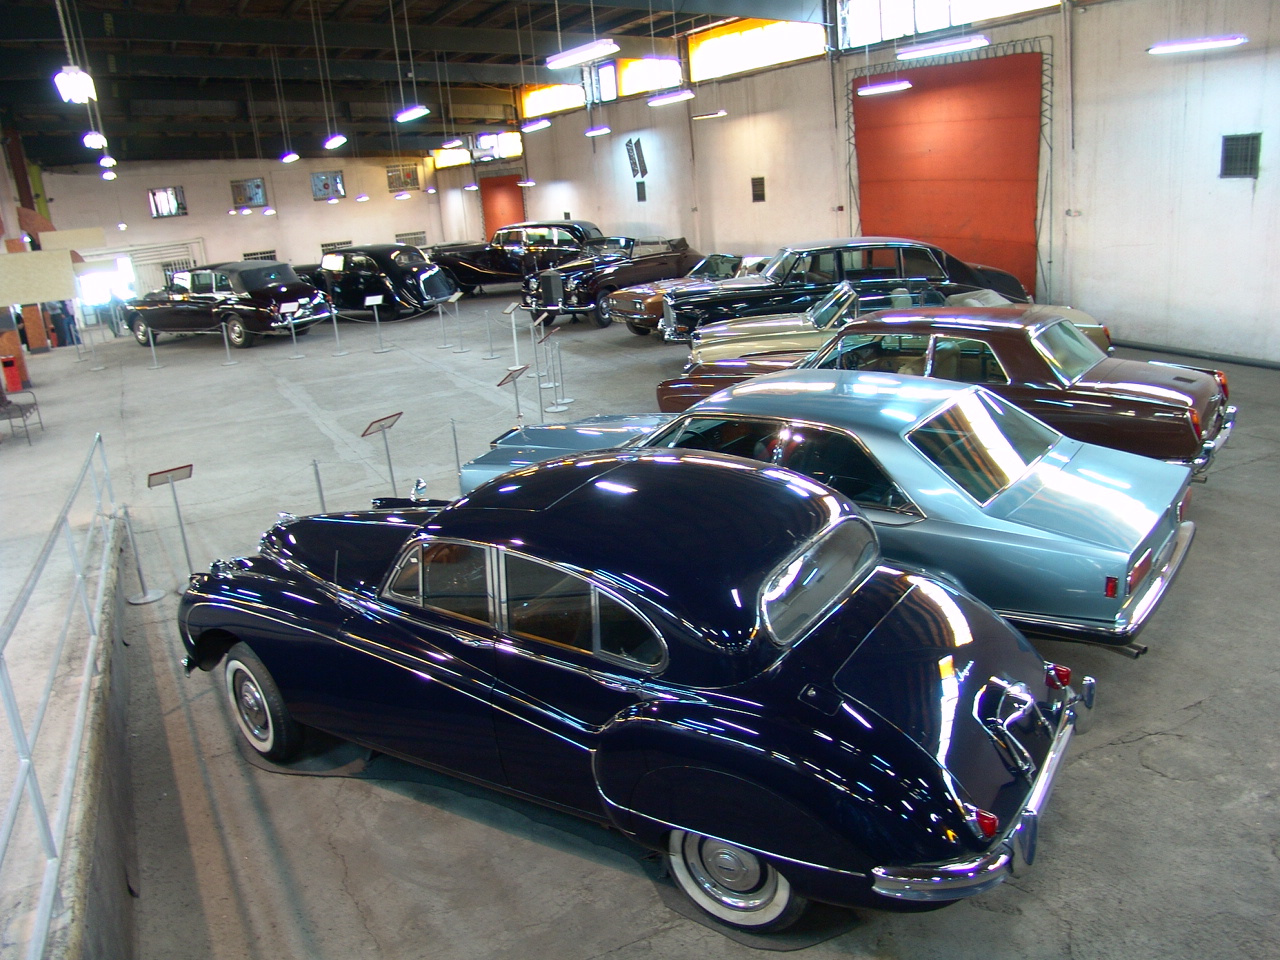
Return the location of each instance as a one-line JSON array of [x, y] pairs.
[[12, 378]]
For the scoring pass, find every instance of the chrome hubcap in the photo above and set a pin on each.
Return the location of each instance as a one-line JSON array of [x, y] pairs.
[[735, 877], [252, 710]]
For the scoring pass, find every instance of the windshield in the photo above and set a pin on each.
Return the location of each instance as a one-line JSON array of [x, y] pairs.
[[600, 246], [810, 583], [408, 255], [778, 268], [716, 267], [834, 309], [983, 443], [258, 277], [1067, 350]]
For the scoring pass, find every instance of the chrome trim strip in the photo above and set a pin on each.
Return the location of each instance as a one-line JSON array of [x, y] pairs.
[[952, 880], [1209, 449]]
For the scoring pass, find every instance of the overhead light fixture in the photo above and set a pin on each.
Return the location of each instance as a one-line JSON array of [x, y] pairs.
[[526, 183], [431, 189], [335, 141], [107, 160], [122, 225], [231, 212], [403, 195], [889, 86], [451, 144], [1192, 46], [332, 200], [487, 159], [74, 85], [534, 125], [268, 211], [95, 141], [108, 174], [245, 211], [671, 96], [711, 116], [472, 186], [599, 131], [941, 47], [411, 113], [362, 198], [576, 56], [288, 156]]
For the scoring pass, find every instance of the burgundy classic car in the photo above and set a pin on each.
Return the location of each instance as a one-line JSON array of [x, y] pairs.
[[1028, 353]]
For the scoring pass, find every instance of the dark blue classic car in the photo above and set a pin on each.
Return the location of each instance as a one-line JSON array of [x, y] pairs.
[[703, 653]]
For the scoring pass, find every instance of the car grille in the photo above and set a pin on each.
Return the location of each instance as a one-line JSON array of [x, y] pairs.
[[549, 290]]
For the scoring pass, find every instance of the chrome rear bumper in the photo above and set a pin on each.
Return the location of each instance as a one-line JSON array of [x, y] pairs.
[[955, 879], [1200, 465]]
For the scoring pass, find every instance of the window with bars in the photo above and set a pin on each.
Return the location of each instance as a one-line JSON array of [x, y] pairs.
[[403, 176], [416, 239], [1240, 155], [757, 189], [333, 245], [167, 202], [259, 255]]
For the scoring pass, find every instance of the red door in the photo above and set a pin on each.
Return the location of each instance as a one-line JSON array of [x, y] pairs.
[[501, 202]]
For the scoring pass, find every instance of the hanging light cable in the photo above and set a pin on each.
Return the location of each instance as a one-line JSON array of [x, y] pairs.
[[289, 155], [417, 109]]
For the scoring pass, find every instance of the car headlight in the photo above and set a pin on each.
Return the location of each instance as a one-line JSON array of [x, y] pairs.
[[571, 284]]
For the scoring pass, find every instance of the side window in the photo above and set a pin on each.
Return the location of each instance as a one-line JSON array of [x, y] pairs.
[[745, 438], [362, 265], [406, 583], [537, 237], [819, 267], [891, 353], [180, 282], [222, 283], [561, 237], [968, 361], [840, 462], [548, 604], [623, 634], [454, 580], [505, 238], [202, 282], [919, 265], [870, 263]]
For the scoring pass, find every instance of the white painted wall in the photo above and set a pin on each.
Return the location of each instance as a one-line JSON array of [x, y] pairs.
[[1156, 244]]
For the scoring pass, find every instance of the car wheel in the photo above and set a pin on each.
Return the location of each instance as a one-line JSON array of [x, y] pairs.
[[259, 710], [603, 315], [732, 884], [141, 332], [638, 330], [238, 335]]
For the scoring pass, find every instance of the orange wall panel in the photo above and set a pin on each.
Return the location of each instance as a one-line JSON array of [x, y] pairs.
[[955, 160], [501, 202]]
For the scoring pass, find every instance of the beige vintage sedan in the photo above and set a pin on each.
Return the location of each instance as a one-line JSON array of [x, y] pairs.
[[640, 306]]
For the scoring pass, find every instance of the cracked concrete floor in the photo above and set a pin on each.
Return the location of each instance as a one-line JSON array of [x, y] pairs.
[[1162, 838]]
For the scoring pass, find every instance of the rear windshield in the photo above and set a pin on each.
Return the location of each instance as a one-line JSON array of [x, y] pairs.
[[408, 255], [1067, 350], [815, 580], [983, 443], [255, 278]]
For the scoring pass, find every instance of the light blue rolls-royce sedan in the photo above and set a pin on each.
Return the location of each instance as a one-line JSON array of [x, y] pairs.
[[1069, 540]]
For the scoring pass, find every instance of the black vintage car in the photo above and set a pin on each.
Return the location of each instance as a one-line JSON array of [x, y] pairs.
[[801, 274], [398, 272], [249, 298], [515, 251], [582, 285], [707, 655]]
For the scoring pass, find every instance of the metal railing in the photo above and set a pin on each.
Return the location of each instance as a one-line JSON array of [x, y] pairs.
[[56, 668]]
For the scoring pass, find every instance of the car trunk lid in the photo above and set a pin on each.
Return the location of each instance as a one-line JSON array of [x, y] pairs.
[[1169, 383]]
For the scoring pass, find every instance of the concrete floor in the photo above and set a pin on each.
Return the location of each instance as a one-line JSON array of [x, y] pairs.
[[1162, 839]]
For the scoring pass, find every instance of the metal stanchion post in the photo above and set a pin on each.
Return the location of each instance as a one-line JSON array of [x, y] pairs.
[[377, 324], [515, 339], [145, 595], [226, 345], [457, 319], [337, 340], [315, 466], [488, 326], [151, 341], [560, 397], [444, 330]]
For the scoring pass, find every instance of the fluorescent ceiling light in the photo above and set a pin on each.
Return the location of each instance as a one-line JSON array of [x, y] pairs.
[[107, 160], [108, 174], [122, 225], [95, 141], [595, 50], [1191, 46], [540, 124], [889, 86], [599, 131], [429, 190], [74, 85], [332, 200], [954, 45], [472, 186], [451, 144], [671, 96], [526, 183], [362, 197], [288, 156], [269, 211], [232, 212], [411, 113], [403, 195], [722, 112], [245, 211], [335, 141]]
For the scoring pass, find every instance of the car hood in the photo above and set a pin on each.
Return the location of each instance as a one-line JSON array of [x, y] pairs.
[[579, 264], [1094, 494], [643, 290], [774, 323], [353, 551], [751, 282], [1143, 380], [936, 667]]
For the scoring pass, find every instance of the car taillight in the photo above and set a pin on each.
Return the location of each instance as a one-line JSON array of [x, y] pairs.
[[1056, 676], [1139, 572], [1222, 382], [1183, 504], [982, 822], [1195, 421], [1112, 588]]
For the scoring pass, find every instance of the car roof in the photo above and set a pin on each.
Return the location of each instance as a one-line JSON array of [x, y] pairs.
[[586, 224], [697, 533], [1017, 316], [864, 401], [374, 248], [234, 266], [857, 242]]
